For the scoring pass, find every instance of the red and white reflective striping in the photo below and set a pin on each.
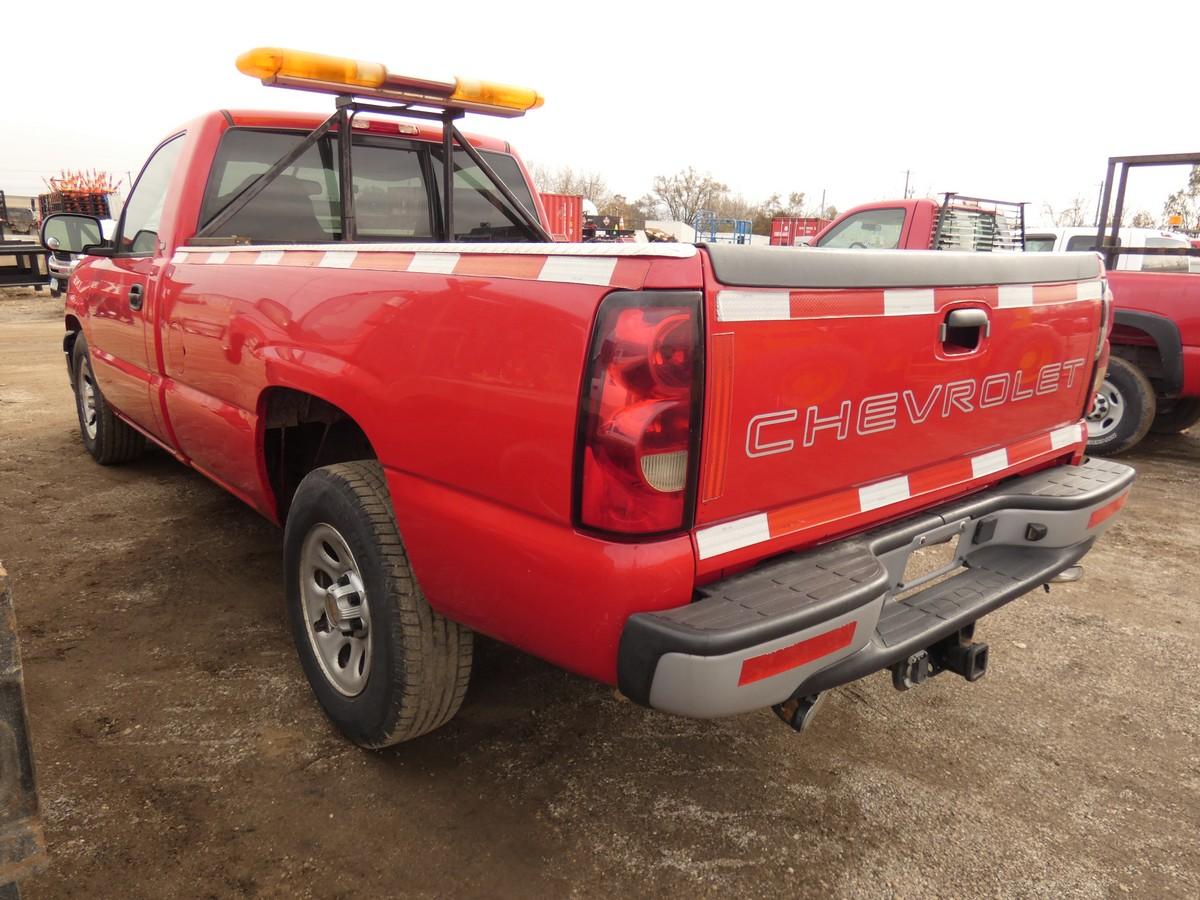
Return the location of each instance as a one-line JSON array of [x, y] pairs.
[[795, 518], [607, 265], [775, 305]]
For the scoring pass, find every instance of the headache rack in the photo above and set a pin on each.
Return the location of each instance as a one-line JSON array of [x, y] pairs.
[[1110, 244], [362, 87], [975, 223]]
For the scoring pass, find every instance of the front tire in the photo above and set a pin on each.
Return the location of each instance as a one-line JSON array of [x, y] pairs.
[[109, 440], [384, 666], [1122, 410], [1179, 416]]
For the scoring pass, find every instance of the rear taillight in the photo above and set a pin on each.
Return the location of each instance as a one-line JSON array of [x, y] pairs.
[[639, 418], [1106, 323]]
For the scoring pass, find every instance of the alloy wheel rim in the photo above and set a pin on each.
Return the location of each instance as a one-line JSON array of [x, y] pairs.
[[87, 400], [1108, 409], [333, 602]]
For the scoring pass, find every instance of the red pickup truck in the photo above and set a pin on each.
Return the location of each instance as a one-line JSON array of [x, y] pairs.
[[1153, 377], [698, 473]]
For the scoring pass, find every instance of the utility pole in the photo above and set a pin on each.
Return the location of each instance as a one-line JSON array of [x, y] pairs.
[[907, 172], [821, 212]]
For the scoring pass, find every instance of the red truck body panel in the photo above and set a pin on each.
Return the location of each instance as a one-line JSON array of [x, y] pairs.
[[416, 344], [1174, 296]]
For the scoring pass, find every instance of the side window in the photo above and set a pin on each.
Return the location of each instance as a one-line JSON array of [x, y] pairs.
[[480, 211], [871, 229], [390, 196], [1165, 263], [301, 205], [1083, 242], [1039, 243], [143, 210]]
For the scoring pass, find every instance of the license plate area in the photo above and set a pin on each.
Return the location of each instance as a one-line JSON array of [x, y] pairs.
[[928, 557]]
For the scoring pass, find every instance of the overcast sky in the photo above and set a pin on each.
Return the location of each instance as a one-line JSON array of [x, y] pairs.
[[1011, 100]]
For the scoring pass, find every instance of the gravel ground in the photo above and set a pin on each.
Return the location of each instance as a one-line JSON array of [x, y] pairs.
[[180, 752]]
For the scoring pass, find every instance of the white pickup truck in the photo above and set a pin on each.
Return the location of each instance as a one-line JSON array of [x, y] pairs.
[[1083, 238]]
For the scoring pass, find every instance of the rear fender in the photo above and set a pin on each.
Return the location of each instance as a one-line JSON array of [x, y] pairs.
[[1167, 341]]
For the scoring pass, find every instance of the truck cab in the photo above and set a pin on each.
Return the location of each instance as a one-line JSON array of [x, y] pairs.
[[957, 222]]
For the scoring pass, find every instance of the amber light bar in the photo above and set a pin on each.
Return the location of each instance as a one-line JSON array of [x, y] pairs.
[[281, 67]]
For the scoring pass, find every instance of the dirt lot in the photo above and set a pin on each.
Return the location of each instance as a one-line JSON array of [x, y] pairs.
[[181, 754]]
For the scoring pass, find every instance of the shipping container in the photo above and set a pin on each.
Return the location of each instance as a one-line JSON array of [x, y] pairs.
[[786, 229], [565, 213]]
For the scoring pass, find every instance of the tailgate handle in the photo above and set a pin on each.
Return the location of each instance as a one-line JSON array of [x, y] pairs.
[[966, 319]]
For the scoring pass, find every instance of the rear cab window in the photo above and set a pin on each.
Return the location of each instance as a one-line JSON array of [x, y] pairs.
[[1039, 243], [396, 191], [871, 229]]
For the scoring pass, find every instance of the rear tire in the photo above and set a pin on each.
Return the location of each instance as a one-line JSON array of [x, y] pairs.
[[384, 666], [1179, 416], [109, 440], [1122, 410]]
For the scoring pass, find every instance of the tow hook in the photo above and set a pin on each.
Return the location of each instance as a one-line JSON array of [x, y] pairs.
[[798, 712], [957, 653]]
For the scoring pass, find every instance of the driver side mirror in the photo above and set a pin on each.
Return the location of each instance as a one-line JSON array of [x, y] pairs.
[[74, 233]]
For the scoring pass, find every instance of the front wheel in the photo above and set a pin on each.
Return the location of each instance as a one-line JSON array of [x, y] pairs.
[[384, 666], [109, 440], [1122, 409]]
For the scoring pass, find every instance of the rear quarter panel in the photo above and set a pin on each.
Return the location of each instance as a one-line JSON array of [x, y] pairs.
[[1174, 296], [467, 383]]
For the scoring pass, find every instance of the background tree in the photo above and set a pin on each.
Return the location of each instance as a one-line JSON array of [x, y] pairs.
[[565, 180], [1143, 219], [1076, 213], [1185, 203], [686, 193]]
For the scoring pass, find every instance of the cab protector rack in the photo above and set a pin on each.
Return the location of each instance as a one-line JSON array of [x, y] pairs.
[[1109, 244], [431, 101], [976, 223]]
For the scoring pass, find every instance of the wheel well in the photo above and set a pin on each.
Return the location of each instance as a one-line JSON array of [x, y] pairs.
[[302, 432], [1140, 349]]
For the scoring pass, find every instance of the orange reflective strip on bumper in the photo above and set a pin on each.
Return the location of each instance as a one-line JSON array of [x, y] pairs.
[[756, 668], [1107, 510]]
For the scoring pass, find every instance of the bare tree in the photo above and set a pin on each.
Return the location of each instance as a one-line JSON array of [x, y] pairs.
[[1072, 215], [686, 193], [565, 180]]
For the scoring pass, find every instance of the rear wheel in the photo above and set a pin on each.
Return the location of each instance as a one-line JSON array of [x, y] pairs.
[[109, 440], [1179, 416], [1122, 409], [384, 666]]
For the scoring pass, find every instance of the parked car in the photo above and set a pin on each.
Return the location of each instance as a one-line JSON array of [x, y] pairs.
[[1083, 239], [698, 473]]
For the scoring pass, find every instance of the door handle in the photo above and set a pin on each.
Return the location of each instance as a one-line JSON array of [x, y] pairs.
[[966, 318], [136, 296]]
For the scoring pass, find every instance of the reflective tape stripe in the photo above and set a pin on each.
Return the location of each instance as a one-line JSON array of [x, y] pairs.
[[753, 306], [578, 270], [434, 263], [1066, 436], [269, 258], [883, 493], [713, 540], [1088, 290], [1010, 296], [337, 259], [987, 463], [216, 258], [735, 535], [909, 302]]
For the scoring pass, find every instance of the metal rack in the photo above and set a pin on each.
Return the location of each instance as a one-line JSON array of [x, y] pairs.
[[708, 228]]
